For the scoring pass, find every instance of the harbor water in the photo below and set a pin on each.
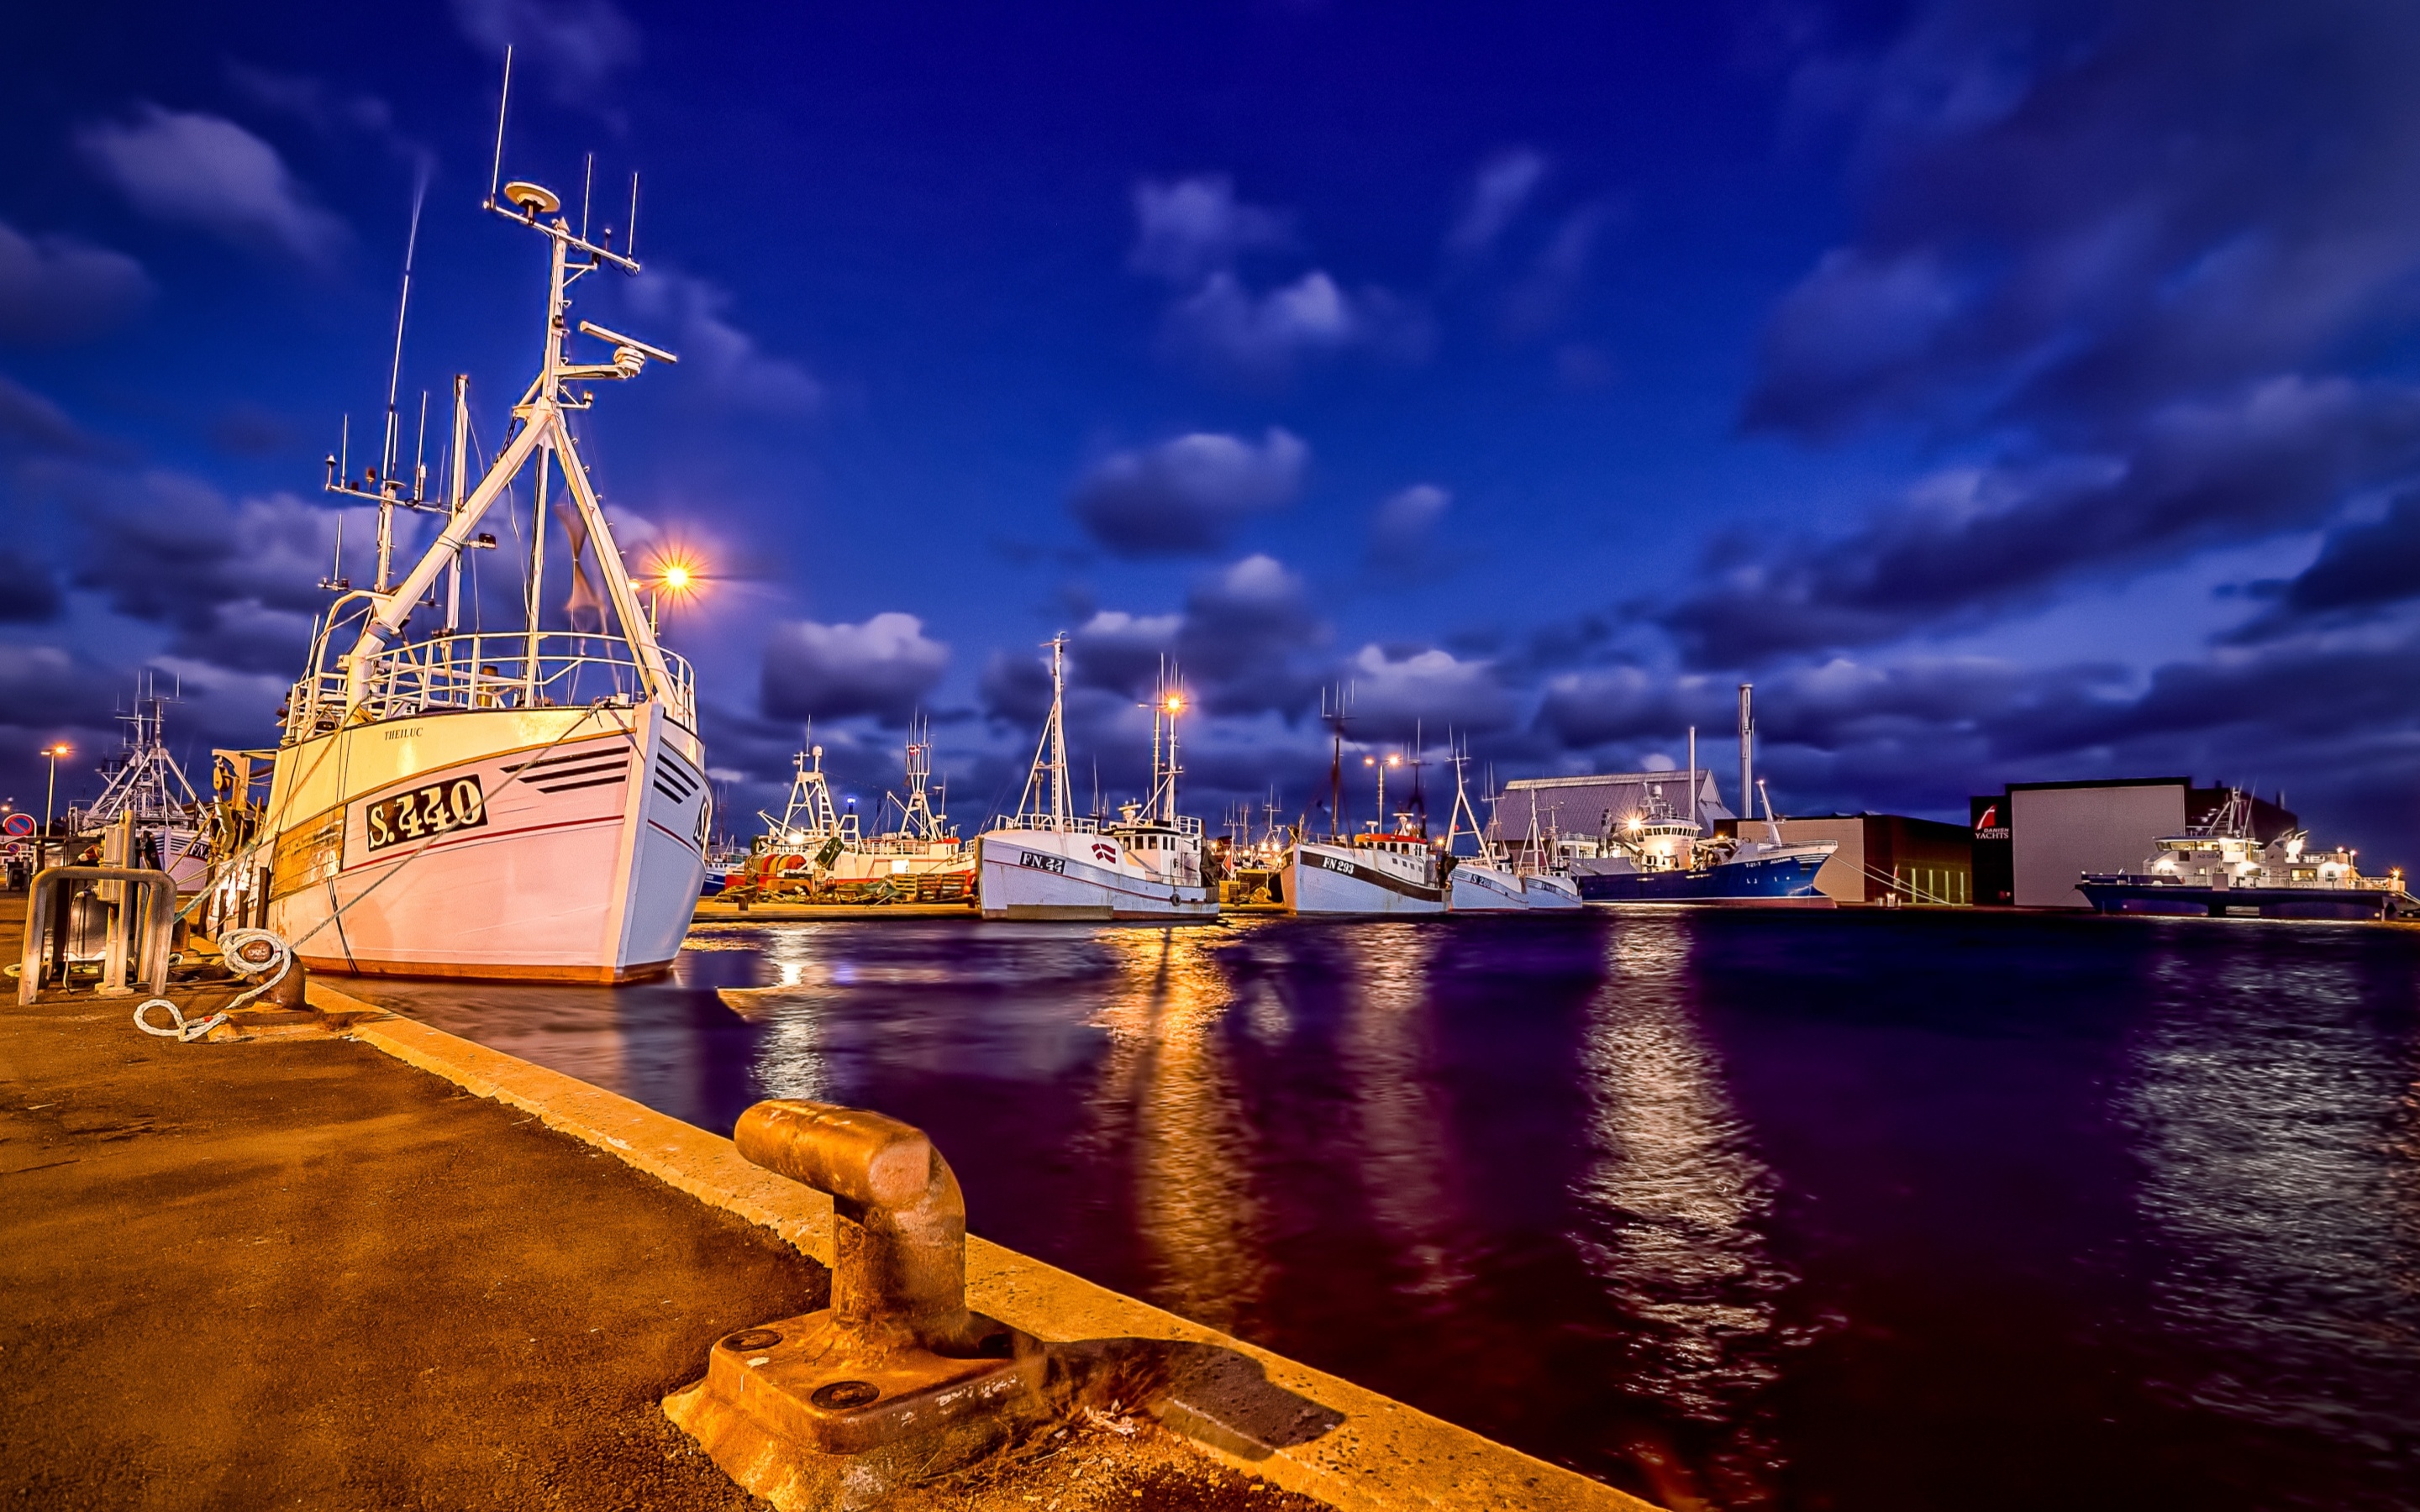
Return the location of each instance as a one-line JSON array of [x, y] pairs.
[[1870, 1210]]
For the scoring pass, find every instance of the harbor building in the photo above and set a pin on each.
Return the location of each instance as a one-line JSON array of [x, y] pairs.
[[2034, 840], [1882, 856]]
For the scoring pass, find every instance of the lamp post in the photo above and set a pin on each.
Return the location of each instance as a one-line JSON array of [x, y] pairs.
[[51, 799]]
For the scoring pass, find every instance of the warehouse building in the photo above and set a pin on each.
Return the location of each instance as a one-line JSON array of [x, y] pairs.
[[2033, 841]]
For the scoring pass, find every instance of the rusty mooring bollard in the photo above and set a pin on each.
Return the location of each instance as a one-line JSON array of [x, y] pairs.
[[895, 1382]]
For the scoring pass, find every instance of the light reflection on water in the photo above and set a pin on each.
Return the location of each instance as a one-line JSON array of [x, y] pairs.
[[1588, 1185], [2274, 1117], [1167, 1094]]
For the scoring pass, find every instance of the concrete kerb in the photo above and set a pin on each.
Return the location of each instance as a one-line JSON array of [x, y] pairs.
[[1259, 1413]]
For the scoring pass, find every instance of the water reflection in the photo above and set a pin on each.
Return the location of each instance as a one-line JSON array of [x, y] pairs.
[[1674, 1202], [1167, 1094], [1403, 1137], [2274, 1115]]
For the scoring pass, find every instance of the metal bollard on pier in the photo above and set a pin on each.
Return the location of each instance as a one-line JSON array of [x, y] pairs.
[[46, 915], [896, 1382]]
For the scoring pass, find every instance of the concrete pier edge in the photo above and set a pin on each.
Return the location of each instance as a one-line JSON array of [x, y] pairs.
[[1380, 1454]]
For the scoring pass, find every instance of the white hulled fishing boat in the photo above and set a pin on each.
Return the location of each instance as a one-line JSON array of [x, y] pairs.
[[527, 804], [1379, 871], [1482, 883], [1047, 863]]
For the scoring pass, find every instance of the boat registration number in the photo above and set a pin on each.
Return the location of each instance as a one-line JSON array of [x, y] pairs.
[[439, 808], [1042, 863], [1333, 864]]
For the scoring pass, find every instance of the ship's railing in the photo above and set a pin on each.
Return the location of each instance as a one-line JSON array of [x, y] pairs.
[[491, 672], [1075, 825], [1183, 825]]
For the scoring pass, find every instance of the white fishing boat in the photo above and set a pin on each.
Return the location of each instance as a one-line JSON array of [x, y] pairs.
[[1482, 883], [1377, 872], [1047, 862], [525, 804]]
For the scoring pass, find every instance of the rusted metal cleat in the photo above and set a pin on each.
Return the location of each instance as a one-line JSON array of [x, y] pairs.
[[896, 1382]]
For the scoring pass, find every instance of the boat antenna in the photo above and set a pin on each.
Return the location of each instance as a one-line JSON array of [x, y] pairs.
[[496, 167], [1334, 716]]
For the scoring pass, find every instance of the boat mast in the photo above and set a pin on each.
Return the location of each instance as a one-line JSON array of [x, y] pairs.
[[1460, 757], [454, 495], [543, 434], [1050, 757]]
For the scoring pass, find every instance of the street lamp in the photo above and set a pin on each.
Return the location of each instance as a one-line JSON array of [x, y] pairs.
[[677, 577], [51, 800]]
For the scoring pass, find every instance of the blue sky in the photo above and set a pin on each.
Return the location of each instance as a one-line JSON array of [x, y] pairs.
[[2010, 390]]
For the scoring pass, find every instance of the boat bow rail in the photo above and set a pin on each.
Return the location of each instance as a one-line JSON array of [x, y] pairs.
[[506, 671]]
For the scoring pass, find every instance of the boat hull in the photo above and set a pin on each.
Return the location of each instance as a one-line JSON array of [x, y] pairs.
[[1332, 879], [1784, 879], [2134, 895], [1547, 892], [1477, 888], [1046, 874], [539, 844]]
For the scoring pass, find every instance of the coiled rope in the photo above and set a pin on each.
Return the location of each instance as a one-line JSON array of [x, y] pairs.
[[248, 954]]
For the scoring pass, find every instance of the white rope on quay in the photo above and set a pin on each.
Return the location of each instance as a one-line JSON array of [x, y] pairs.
[[248, 952]]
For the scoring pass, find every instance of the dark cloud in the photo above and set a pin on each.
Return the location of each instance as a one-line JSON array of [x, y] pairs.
[[1121, 652], [29, 590], [57, 288], [2361, 567], [169, 548], [2277, 455], [52, 688], [1187, 496], [2074, 213], [1250, 635], [30, 423], [885, 667]]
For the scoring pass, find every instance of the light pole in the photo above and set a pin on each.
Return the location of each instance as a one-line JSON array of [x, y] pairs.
[[51, 799]]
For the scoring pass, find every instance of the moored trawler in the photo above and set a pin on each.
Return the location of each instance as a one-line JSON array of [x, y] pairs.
[[524, 804], [813, 850], [1044, 862], [2222, 867]]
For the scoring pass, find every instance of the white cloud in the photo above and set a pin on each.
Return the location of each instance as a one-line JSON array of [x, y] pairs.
[[1191, 227], [711, 347], [1392, 690], [581, 43], [207, 171], [1403, 522], [57, 288], [1230, 329], [1186, 496], [1501, 186], [883, 667]]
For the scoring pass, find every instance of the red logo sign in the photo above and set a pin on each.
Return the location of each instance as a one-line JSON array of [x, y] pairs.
[[1103, 851]]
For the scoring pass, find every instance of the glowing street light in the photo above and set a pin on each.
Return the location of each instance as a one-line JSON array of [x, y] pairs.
[[50, 801], [678, 578]]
